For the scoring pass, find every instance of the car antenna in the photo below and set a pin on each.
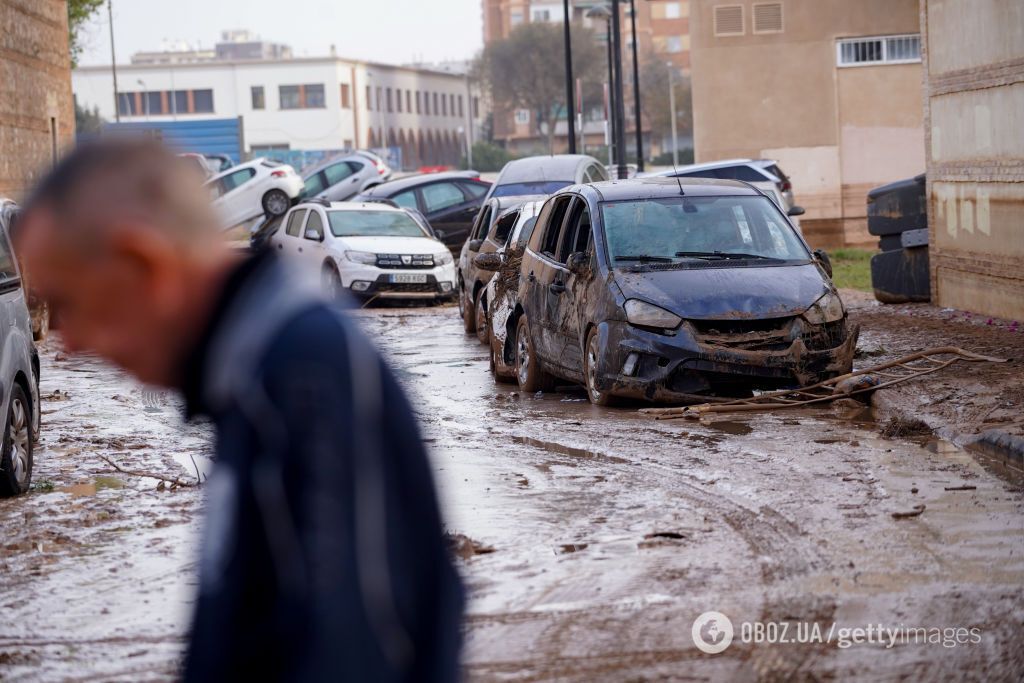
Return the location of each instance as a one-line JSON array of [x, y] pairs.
[[675, 174]]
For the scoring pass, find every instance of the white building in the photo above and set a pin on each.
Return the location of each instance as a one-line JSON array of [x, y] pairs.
[[320, 103]]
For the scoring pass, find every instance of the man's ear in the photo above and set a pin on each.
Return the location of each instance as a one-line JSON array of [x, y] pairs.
[[150, 262]]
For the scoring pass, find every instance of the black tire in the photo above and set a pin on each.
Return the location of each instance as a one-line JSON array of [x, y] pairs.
[[480, 320], [468, 310], [16, 456], [276, 203], [591, 354], [498, 378], [529, 375], [330, 279]]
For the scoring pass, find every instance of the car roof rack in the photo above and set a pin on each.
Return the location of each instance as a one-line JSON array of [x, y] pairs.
[[322, 201]]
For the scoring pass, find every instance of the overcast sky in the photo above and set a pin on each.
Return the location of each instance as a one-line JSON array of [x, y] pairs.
[[394, 31]]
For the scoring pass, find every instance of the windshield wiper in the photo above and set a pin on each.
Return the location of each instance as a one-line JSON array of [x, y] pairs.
[[722, 255], [644, 258]]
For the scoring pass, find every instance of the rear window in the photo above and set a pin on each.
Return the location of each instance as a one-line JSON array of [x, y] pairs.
[[745, 173], [374, 224], [538, 187]]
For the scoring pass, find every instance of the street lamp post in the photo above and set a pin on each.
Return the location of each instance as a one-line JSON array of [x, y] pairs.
[[620, 110], [636, 91], [113, 61], [145, 96], [570, 95]]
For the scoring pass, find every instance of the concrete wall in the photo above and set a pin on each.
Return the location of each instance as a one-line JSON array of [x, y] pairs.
[[974, 113], [837, 131], [37, 118]]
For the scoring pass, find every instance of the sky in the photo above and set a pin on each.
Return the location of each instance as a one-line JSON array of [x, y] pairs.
[[391, 31]]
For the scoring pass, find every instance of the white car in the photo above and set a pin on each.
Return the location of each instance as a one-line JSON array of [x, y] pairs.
[[261, 186], [370, 249]]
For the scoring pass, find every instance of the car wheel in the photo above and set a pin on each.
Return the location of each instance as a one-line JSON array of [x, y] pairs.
[[331, 282], [528, 372], [468, 312], [499, 378], [16, 457], [480, 317], [590, 360], [276, 203]]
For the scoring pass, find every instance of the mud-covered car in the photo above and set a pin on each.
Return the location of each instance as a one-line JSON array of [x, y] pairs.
[[662, 289], [487, 235], [500, 296]]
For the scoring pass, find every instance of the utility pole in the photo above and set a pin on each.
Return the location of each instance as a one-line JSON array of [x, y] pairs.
[[672, 114], [636, 92], [620, 109], [113, 61], [570, 95], [469, 123]]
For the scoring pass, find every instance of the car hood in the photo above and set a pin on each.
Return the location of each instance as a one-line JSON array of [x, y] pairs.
[[730, 292], [393, 245]]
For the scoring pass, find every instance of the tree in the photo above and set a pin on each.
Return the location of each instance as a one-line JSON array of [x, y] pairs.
[[79, 12], [87, 121], [654, 89], [527, 71]]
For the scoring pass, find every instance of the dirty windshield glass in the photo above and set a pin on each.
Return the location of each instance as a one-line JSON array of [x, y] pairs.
[[687, 231], [373, 224]]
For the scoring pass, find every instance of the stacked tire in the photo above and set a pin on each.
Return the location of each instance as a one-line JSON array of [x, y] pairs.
[[898, 216]]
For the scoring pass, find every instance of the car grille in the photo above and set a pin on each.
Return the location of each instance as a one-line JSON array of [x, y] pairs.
[[407, 287], [827, 336], [771, 334], [420, 261]]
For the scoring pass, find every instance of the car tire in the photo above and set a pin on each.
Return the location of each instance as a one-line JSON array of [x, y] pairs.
[[529, 375], [498, 378], [468, 312], [330, 280], [590, 357], [276, 203], [16, 456], [480, 317]]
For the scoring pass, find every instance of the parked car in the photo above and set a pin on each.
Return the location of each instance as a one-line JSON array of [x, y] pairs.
[[747, 170], [546, 174], [776, 195], [449, 200], [660, 289], [369, 249], [490, 231], [383, 170], [500, 296], [19, 374], [219, 162], [256, 187], [613, 171], [200, 163], [342, 178]]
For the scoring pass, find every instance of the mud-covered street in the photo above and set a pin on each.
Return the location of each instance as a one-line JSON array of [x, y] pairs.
[[590, 539]]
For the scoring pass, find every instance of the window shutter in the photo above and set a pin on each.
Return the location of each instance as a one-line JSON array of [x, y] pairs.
[[768, 18], [729, 20]]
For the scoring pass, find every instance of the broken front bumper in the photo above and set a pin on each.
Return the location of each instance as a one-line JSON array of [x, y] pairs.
[[649, 365]]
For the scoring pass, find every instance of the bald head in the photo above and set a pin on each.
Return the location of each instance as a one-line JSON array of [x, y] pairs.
[[122, 240]]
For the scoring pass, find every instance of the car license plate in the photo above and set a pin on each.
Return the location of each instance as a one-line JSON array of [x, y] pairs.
[[409, 278]]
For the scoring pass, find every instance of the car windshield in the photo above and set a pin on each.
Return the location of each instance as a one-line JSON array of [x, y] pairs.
[[693, 231], [538, 187], [374, 224]]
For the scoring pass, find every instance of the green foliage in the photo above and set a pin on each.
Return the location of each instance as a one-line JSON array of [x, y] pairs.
[[655, 79], [851, 268], [79, 12], [488, 157], [88, 121]]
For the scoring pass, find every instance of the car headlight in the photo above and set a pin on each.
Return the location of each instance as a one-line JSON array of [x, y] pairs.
[[365, 257], [648, 315], [827, 309], [443, 259]]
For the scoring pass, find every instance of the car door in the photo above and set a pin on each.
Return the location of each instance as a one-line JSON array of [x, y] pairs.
[[568, 303], [238, 196], [468, 253], [309, 247], [545, 281], [449, 209], [342, 181], [288, 239]]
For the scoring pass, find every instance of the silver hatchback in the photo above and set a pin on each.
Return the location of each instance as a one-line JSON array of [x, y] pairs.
[[19, 369]]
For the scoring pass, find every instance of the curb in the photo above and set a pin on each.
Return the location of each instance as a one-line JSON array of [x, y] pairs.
[[999, 444]]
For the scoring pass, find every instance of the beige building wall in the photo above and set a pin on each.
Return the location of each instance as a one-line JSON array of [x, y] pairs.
[[37, 118], [974, 108], [837, 131]]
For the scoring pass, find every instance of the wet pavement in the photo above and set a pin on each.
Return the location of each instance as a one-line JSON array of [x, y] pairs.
[[591, 538]]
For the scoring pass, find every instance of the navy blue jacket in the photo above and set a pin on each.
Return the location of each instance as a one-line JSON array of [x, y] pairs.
[[323, 557]]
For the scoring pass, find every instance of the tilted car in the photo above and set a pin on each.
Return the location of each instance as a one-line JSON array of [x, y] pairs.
[[546, 174], [343, 178], [369, 249], [487, 236], [257, 187], [450, 200], [663, 288], [19, 376], [500, 296]]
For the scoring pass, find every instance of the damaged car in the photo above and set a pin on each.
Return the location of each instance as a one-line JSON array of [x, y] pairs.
[[668, 289]]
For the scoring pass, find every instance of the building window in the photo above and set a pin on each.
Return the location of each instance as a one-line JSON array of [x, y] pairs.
[[729, 20], [398, 101], [380, 100], [369, 98], [419, 108], [408, 101], [302, 96], [904, 49], [346, 96], [461, 110], [768, 18], [674, 44], [451, 104], [515, 18], [476, 107], [202, 101], [435, 108], [259, 98], [541, 15], [666, 10], [523, 117], [390, 103]]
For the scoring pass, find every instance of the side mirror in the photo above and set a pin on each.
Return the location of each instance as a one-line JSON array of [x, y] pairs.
[[578, 263], [314, 235], [474, 245], [441, 234], [796, 211], [822, 257], [488, 262]]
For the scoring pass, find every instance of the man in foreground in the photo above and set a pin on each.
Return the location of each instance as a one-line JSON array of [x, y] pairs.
[[323, 556]]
